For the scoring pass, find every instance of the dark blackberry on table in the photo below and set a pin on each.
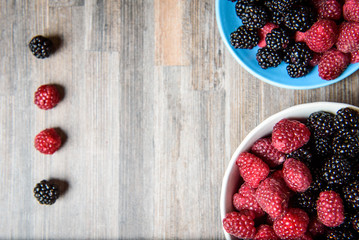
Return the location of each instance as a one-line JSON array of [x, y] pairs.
[[337, 171], [346, 118], [322, 146], [303, 154], [244, 38], [351, 194], [46, 192], [307, 201], [355, 222], [41, 47], [298, 53], [321, 123], [268, 57], [346, 143], [298, 70], [254, 17], [277, 39], [280, 6], [299, 18], [276, 18]]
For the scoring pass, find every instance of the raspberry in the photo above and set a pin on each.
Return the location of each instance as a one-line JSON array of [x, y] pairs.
[[299, 36], [315, 60], [296, 175], [262, 33], [265, 232], [306, 236], [348, 37], [273, 197], [354, 57], [289, 135], [252, 169], [322, 35], [245, 200], [351, 10], [239, 225], [48, 141], [332, 64], [264, 149], [330, 209], [330, 9], [292, 225], [47, 97]]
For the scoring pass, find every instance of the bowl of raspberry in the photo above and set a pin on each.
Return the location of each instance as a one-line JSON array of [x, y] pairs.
[[295, 176], [292, 44]]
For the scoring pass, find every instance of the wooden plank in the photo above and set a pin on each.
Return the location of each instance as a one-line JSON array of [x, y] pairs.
[[170, 48]]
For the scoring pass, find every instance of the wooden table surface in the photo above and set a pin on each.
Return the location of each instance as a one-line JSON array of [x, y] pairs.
[[154, 108]]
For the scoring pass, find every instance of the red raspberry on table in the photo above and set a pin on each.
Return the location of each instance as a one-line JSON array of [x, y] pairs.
[[329, 9], [297, 175], [330, 209], [351, 10], [252, 169], [239, 225], [332, 64], [315, 60], [292, 224], [264, 149], [47, 97], [322, 35], [348, 37], [299, 36], [245, 200], [273, 197], [262, 33], [354, 57], [47, 141], [289, 135], [265, 232]]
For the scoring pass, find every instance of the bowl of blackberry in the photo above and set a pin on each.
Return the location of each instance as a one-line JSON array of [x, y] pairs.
[[295, 176], [294, 44]]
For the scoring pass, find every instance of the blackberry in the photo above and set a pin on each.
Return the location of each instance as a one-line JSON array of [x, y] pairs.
[[345, 234], [244, 38], [347, 144], [254, 17], [303, 154], [351, 194], [337, 171], [321, 123], [355, 222], [280, 6], [298, 53], [46, 192], [307, 201], [322, 146], [346, 118], [242, 5], [268, 58], [299, 19], [277, 39], [276, 18], [41, 47], [298, 70]]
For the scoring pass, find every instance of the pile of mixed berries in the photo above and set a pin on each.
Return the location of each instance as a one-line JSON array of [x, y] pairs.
[[301, 182], [302, 33]]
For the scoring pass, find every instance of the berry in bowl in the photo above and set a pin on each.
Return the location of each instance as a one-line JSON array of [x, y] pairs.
[[292, 44], [295, 176]]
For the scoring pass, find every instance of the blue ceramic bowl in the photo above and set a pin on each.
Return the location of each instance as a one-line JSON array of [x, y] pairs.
[[228, 22]]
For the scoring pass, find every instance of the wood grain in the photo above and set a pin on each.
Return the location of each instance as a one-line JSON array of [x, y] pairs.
[[154, 106]]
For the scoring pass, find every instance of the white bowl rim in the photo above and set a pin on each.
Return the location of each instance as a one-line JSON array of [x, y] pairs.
[[285, 113]]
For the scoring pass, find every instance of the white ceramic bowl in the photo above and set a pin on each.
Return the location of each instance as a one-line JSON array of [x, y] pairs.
[[232, 180]]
